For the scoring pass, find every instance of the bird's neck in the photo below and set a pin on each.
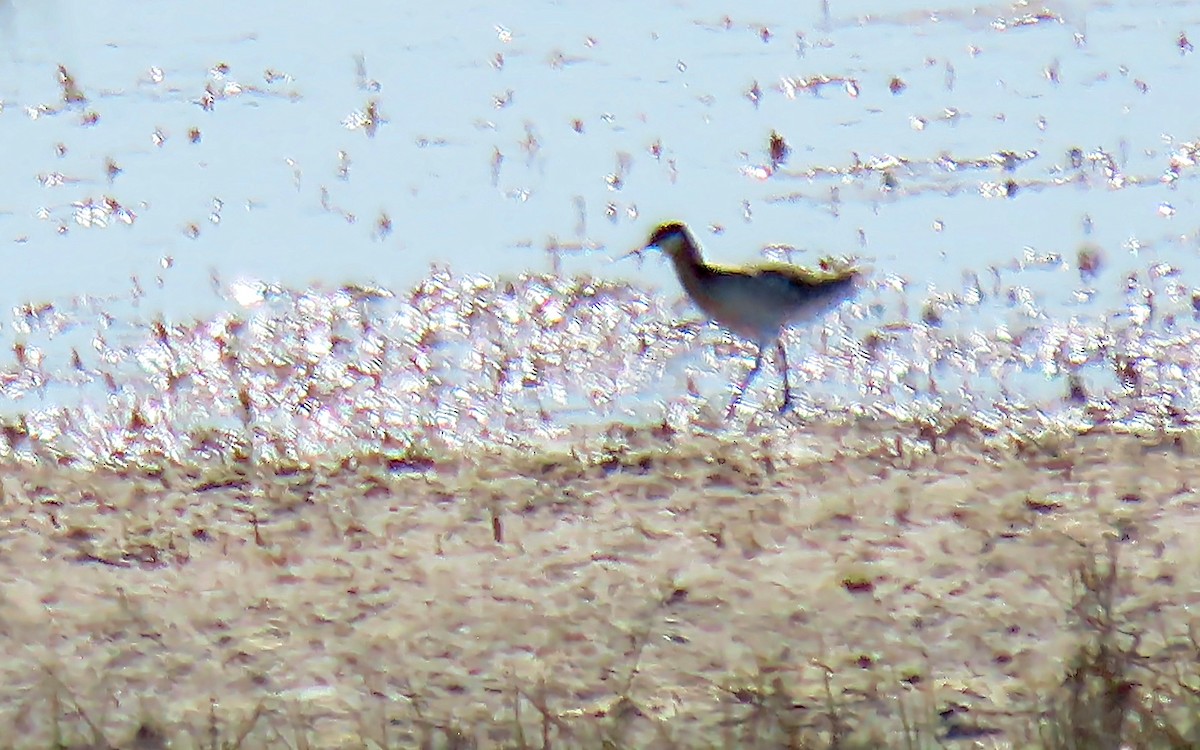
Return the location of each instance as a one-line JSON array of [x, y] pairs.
[[689, 266]]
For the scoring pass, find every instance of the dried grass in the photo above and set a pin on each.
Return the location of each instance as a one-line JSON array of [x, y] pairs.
[[838, 587]]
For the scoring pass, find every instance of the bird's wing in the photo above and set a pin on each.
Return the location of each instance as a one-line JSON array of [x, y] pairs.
[[803, 276]]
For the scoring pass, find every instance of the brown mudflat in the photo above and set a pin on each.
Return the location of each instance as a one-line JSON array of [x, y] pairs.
[[652, 589]]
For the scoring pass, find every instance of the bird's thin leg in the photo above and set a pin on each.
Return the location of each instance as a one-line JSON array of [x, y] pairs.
[[741, 389], [781, 360]]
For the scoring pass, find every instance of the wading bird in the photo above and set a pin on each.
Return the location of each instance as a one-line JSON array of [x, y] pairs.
[[754, 302]]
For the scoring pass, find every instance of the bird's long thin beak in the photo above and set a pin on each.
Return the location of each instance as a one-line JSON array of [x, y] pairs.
[[638, 252]]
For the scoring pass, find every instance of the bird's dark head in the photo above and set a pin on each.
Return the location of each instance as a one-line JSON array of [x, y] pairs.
[[675, 240], [672, 238], [670, 233]]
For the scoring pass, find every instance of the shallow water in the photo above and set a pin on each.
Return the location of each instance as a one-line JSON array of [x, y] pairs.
[[198, 212], [464, 360]]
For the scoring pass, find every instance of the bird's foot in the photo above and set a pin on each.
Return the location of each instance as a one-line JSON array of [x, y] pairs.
[[786, 406], [737, 400]]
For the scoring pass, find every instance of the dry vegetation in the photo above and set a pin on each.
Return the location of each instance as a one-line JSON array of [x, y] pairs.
[[850, 587]]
